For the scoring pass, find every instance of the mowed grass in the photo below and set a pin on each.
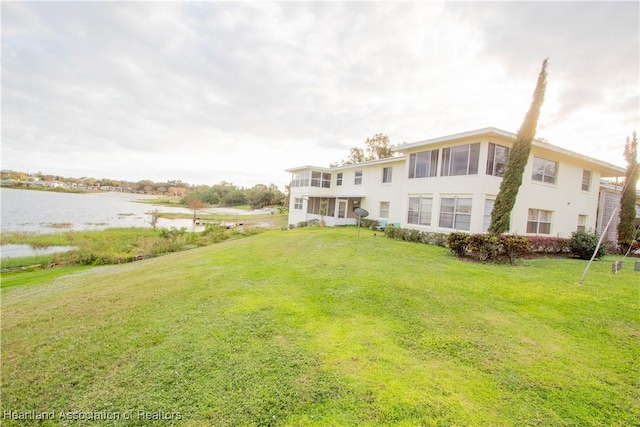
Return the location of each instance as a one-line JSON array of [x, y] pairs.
[[319, 327]]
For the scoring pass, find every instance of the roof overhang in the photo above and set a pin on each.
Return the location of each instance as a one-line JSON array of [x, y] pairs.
[[606, 169]]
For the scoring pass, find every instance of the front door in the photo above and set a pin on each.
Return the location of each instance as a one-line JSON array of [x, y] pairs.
[[341, 214]]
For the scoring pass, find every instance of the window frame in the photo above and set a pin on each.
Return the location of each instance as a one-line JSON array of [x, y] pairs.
[[588, 181], [320, 179], [451, 154], [544, 175], [387, 174], [538, 221], [456, 214], [338, 179], [491, 159], [357, 178], [301, 179], [486, 219], [429, 159], [422, 215], [298, 203], [582, 222], [384, 212]]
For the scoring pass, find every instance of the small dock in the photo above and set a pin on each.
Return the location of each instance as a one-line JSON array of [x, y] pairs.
[[227, 225]]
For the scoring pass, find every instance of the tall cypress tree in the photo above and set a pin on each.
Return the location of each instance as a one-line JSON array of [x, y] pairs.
[[518, 156], [626, 226]]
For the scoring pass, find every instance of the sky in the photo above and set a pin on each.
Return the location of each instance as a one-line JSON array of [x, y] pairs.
[[205, 92]]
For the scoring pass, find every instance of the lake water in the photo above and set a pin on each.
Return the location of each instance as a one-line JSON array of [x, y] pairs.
[[50, 212]]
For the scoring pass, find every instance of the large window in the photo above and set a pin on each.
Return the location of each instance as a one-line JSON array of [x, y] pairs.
[[423, 164], [358, 178], [544, 170], [455, 212], [339, 179], [387, 174], [321, 179], [420, 210], [301, 179], [384, 209], [539, 221], [486, 220], [460, 160], [297, 203], [586, 180], [497, 159]]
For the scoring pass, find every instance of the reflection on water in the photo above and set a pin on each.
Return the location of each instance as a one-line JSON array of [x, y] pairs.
[[51, 212], [19, 251]]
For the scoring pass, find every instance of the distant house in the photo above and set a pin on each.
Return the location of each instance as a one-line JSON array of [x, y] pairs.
[[450, 184]]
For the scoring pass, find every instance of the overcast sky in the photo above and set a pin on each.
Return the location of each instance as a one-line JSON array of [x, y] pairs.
[[205, 92]]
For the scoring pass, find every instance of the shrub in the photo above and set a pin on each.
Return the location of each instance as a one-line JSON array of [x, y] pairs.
[[514, 247], [410, 235], [392, 232], [483, 246], [549, 245], [214, 233], [457, 243], [584, 243], [369, 223]]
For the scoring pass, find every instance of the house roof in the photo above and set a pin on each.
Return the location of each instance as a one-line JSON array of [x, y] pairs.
[[349, 166], [607, 169]]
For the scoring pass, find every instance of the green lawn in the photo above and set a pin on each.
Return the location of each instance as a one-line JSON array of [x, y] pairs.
[[318, 327]]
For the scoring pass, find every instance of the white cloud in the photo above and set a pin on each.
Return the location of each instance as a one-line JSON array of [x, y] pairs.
[[206, 92]]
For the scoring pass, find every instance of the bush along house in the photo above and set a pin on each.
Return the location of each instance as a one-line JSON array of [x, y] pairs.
[[450, 184]]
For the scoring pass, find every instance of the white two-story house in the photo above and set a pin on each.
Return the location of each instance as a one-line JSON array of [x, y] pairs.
[[450, 184]]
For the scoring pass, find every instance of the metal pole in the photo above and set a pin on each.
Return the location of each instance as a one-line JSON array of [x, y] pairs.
[[586, 270]]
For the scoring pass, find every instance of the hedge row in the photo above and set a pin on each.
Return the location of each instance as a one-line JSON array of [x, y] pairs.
[[411, 235], [486, 247]]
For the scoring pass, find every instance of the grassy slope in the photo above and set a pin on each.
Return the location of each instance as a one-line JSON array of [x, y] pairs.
[[317, 327]]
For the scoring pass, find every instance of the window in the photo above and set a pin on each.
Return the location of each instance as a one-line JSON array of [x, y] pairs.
[[300, 179], [339, 179], [544, 170], [358, 180], [455, 213], [582, 222], [420, 210], [386, 175], [497, 159], [539, 221], [384, 209], [486, 221], [586, 180], [321, 179], [460, 160], [297, 203], [423, 164]]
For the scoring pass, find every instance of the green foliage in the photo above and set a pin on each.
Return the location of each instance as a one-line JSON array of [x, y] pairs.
[[583, 244], [116, 245], [483, 246], [410, 235], [376, 147], [458, 243], [549, 245], [261, 196], [517, 160], [372, 224], [514, 247], [627, 226]]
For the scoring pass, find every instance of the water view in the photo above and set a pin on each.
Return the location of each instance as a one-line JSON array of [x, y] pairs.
[[50, 212]]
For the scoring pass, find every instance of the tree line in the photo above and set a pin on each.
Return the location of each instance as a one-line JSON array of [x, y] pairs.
[[222, 194]]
